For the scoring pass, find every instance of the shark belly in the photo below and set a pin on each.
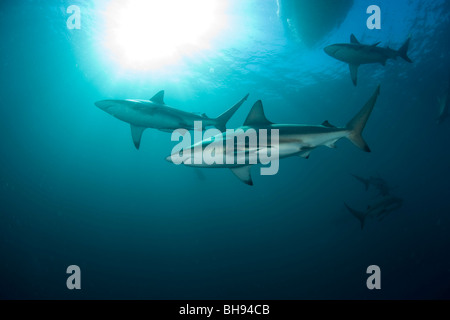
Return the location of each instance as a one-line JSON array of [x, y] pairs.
[[358, 57], [289, 145], [151, 119], [318, 136]]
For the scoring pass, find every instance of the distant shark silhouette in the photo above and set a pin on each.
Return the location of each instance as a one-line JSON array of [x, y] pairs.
[[154, 113], [294, 139], [379, 183], [378, 210], [356, 54]]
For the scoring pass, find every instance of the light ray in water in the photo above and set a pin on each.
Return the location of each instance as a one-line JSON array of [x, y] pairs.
[[150, 35]]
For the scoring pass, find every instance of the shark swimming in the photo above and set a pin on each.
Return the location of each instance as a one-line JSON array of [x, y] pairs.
[[356, 54], [379, 183], [293, 140], [378, 210], [154, 113]]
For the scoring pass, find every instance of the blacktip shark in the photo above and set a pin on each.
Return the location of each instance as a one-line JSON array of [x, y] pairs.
[[293, 139], [379, 183], [154, 113], [356, 54], [378, 210], [443, 108]]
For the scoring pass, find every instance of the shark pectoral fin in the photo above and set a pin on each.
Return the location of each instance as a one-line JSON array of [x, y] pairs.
[[136, 134], [359, 215], [331, 144], [366, 182], [403, 51], [354, 72], [305, 154], [158, 98], [244, 174]]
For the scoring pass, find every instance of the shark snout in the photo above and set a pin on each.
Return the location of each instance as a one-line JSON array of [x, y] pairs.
[[103, 104], [169, 159], [331, 50], [181, 157]]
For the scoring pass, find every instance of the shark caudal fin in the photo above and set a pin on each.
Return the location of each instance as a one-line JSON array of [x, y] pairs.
[[357, 124], [403, 51], [221, 121], [359, 215]]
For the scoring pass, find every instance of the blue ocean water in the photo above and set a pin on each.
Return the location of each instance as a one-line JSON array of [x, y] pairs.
[[75, 191]]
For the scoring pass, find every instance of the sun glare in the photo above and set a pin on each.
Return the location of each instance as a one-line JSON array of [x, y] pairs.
[[149, 34]]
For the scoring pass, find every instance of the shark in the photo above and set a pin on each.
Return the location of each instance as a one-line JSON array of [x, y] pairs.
[[154, 113], [443, 108], [379, 210], [293, 139], [356, 54], [379, 183]]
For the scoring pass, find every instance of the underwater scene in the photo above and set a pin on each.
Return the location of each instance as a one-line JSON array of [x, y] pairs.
[[225, 149]]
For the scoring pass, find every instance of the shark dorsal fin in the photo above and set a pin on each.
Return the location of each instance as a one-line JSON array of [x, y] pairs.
[[353, 39], [243, 173], [376, 44], [158, 98], [327, 124], [256, 116]]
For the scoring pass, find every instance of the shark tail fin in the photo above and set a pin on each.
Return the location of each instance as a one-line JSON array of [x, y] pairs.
[[357, 124], [403, 51], [359, 215], [221, 121]]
